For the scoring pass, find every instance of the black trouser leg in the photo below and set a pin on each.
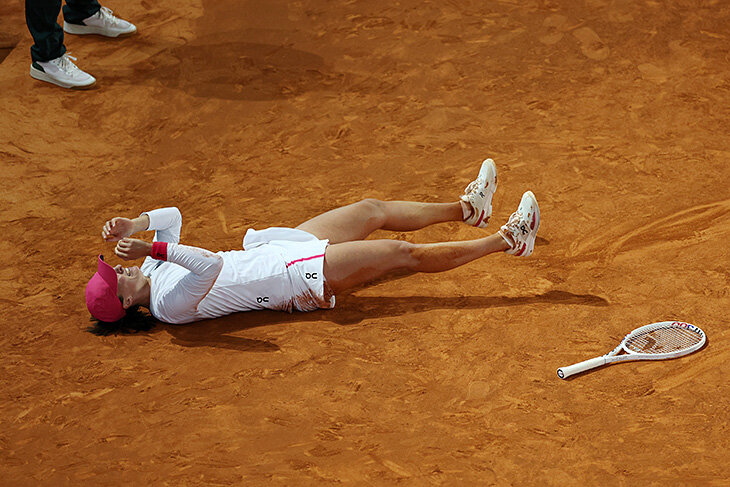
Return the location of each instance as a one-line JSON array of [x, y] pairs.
[[41, 16], [75, 11]]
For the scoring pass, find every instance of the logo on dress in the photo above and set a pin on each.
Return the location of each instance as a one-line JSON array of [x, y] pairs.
[[262, 299], [310, 275]]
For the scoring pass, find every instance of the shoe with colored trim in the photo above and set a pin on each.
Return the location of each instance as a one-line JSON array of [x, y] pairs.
[[479, 194], [103, 23], [521, 228], [62, 72]]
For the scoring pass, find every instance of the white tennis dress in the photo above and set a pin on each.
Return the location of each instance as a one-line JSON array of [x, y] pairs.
[[279, 268]]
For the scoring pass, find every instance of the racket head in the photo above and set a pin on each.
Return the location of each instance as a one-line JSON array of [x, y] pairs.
[[663, 340]]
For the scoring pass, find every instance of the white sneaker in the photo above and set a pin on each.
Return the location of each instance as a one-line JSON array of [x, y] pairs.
[[62, 72], [521, 228], [479, 194], [103, 23]]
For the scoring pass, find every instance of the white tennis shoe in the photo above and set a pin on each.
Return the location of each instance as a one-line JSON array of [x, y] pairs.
[[521, 228], [103, 23], [62, 72], [478, 194]]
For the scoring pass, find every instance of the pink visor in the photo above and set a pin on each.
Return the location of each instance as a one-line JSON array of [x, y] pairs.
[[101, 294]]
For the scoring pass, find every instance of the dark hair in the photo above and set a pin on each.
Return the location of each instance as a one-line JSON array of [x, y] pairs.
[[134, 321]]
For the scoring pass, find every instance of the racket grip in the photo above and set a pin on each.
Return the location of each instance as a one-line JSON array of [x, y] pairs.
[[565, 372]]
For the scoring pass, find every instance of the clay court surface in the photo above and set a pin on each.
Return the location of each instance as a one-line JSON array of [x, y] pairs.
[[260, 113]]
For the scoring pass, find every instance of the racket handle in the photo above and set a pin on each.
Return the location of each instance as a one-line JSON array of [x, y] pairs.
[[565, 372]]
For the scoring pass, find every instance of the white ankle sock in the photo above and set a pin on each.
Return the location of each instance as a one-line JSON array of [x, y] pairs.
[[466, 209], [509, 241]]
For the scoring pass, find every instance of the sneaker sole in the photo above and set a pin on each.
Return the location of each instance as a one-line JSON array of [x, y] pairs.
[[41, 76], [488, 173], [533, 227], [90, 29]]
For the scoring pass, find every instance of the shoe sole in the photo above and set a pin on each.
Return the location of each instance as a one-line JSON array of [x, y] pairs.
[[41, 76], [534, 226], [90, 29], [488, 173]]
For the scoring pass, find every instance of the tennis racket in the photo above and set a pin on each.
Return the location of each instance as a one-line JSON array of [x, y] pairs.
[[657, 341]]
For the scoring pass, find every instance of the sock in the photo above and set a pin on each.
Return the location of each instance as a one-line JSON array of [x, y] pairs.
[[466, 209], [509, 240]]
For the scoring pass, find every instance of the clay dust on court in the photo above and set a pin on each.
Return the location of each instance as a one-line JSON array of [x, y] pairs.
[[253, 114]]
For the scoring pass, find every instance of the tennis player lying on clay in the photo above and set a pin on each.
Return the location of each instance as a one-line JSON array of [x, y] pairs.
[[294, 269]]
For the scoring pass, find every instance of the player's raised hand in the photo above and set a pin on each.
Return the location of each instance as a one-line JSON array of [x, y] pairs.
[[117, 228], [132, 249]]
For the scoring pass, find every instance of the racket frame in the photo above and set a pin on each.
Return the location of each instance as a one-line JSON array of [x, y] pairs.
[[613, 355]]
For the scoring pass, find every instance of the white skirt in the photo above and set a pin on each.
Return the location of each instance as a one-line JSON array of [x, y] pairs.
[[304, 256]]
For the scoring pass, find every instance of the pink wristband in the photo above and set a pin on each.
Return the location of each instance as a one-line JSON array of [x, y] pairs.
[[159, 250]]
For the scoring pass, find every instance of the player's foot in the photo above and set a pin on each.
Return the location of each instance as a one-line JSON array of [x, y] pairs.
[[478, 195], [62, 72], [521, 228], [104, 23]]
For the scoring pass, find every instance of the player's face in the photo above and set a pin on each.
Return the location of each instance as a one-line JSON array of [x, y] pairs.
[[128, 280]]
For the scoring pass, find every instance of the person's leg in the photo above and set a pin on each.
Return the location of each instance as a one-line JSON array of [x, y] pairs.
[[76, 11], [41, 15], [84, 17], [351, 264], [358, 220]]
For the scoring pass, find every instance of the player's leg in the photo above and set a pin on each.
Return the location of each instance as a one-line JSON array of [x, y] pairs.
[[351, 264], [358, 220]]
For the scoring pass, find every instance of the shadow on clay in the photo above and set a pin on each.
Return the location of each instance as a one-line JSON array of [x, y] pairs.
[[223, 67], [350, 310], [357, 309], [4, 52]]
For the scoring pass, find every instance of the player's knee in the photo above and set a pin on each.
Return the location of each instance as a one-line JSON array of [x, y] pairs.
[[372, 204], [408, 254], [375, 209]]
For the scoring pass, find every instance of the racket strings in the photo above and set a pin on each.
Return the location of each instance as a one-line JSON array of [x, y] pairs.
[[663, 340]]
